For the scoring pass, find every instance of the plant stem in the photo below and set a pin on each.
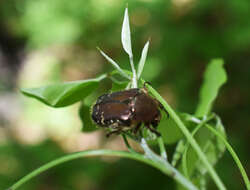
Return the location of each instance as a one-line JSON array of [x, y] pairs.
[[166, 167], [135, 156], [189, 137], [234, 155], [134, 77], [184, 157], [162, 148], [72, 157], [229, 148]]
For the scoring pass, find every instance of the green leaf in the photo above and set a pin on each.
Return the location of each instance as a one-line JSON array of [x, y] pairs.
[[169, 130], [126, 36], [214, 147], [210, 144], [85, 115], [119, 86], [63, 94], [126, 43], [215, 77], [114, 64], [142, 59], [189, 121]]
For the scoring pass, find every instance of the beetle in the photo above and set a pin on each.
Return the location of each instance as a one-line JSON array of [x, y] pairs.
[[127, 110]]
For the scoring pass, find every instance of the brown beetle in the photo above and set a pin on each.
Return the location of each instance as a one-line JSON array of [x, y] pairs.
[[127, 110]]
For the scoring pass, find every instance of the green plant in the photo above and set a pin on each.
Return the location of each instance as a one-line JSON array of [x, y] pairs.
[[203, 141]]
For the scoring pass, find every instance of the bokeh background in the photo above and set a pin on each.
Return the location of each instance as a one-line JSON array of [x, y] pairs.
[[46, 41]]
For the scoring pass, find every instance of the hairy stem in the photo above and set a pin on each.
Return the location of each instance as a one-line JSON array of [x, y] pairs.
[[166, 167]]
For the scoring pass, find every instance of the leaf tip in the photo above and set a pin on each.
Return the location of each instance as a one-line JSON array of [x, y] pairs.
[[126, 35], [126, 13], [22, 90], [25, 91], [218, 60]]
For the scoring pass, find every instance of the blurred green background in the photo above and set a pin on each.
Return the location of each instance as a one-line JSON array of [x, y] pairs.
[[46, 41]]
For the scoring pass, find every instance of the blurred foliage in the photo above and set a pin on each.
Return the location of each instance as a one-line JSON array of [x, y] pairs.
[[185, 35]]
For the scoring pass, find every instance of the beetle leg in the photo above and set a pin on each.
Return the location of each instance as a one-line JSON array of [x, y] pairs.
[[117, 132], [137, 127], [154, 123], [161, 107], [153, 130]]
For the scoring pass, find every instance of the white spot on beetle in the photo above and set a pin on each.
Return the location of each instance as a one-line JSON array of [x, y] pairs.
[[125, 117], [102, 119]]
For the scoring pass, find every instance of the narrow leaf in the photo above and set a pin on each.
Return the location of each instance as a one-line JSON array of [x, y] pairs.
[[114, 64], [142, 60], [215, 77], [63, 94], [126, 36]]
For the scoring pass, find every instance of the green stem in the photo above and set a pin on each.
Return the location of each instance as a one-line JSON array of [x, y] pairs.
[[184, 157], [89, 153], [234, 155], [162, 148], [190, 139], [166, 166], [134, 78], [179, 149]]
